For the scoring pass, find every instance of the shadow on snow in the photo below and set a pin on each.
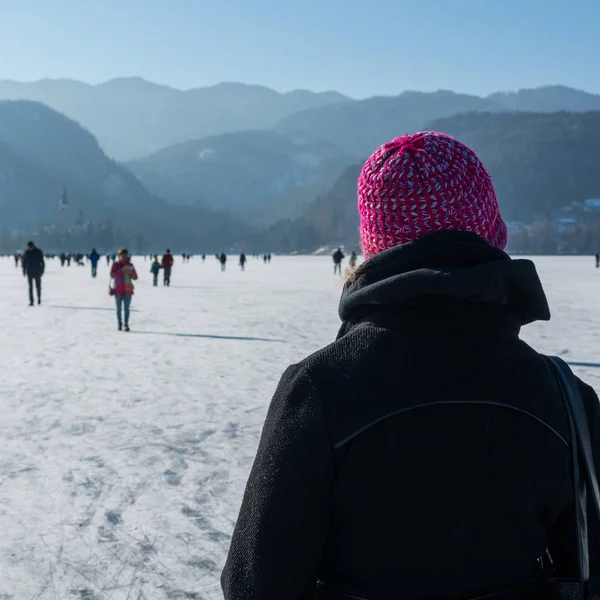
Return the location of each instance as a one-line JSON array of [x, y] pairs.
[[212, 337], [84, 308]]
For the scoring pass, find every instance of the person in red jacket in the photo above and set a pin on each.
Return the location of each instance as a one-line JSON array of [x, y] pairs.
[[167, 265], [122, 275]]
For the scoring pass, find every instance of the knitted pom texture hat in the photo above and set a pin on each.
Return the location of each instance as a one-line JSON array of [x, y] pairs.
[[423, 183]]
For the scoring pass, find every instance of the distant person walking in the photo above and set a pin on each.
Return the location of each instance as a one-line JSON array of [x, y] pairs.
[[17, 260], [243, 261], [155, 270], [167, 265], [597, 259], [353, 260], [203, 257], [223, 261], [94, 258], [338, 257], [123, 275], [108, 259], [33, 269]]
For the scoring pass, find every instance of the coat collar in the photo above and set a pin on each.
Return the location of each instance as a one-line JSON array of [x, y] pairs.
[[450, 271]]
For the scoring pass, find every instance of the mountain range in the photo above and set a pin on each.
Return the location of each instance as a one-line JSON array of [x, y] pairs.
[[132, 117], [278, 170], [252, 174], [265, 176]]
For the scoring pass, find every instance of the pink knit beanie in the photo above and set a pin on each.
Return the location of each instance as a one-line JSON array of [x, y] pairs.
[[423, 183]]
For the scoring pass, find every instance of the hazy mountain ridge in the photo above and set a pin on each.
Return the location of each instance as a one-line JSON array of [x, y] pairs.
[[258, 175], [359, 127], [552, 98], [42, 152], [254, 174], [132, 117]]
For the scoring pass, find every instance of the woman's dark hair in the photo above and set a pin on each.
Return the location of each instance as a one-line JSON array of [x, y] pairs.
[[122, 251]]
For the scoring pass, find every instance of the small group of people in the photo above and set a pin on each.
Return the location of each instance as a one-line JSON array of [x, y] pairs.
[[338, 257], [166, 264], [77, 257], [222, 258], [65, 259], [122, 273], [243, 261]]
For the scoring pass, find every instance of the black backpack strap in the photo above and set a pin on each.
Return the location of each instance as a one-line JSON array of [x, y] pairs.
[[581, 425], [584, 470]]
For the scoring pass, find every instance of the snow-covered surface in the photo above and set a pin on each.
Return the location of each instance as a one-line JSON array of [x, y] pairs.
[[123, 457]]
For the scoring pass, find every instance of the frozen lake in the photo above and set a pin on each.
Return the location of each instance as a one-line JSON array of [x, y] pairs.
[[123, 456]]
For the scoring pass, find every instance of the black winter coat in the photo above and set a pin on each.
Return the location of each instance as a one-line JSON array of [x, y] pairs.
[[33, 262], [356, 487]]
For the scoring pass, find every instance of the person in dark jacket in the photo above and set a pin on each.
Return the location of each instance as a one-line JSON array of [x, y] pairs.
[[155, 270], [243, 261], [425, 453], [94, 258], [338, 257], [223, 260], [33, 268]]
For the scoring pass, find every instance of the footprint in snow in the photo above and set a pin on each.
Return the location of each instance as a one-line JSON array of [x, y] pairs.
[[172, 478]]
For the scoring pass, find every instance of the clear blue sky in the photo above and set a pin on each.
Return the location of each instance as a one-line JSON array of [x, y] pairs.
[[359, 47]]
